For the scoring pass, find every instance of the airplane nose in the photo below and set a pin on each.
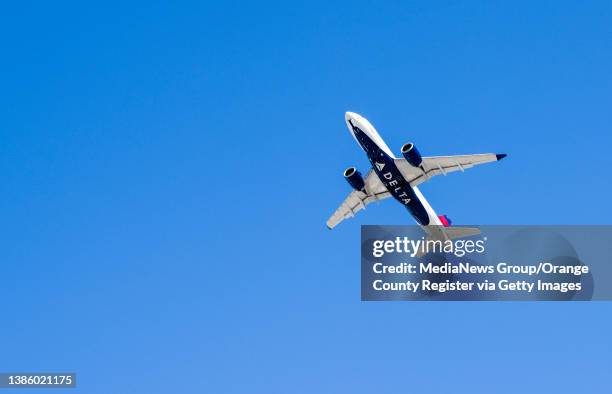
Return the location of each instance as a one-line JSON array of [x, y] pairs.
[[349, 115]]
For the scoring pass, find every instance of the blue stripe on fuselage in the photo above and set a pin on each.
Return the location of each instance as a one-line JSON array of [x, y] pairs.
[[391, 177]]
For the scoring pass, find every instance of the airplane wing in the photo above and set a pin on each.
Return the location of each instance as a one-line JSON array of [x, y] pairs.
[[357, 200], [436, 165]]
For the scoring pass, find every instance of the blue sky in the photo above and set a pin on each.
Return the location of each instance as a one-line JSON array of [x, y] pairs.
[[167, 171]]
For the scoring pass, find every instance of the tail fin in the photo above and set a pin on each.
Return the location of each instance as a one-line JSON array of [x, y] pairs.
[[446, 222]]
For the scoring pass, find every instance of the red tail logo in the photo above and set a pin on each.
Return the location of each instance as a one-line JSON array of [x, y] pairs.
[[446, 222]]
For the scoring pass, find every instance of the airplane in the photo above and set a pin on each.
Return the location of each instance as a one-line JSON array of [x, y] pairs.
[[399, 177]]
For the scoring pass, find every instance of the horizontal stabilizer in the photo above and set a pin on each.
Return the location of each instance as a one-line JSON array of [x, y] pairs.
[[461, 232], [449, 233]]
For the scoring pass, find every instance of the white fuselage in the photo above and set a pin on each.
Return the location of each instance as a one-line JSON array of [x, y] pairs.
[[383, 163]]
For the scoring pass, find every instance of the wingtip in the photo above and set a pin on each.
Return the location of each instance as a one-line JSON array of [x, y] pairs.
[[500, 156]]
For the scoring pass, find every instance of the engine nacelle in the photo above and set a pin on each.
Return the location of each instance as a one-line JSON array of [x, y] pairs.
[[411, 154], [354, 178]]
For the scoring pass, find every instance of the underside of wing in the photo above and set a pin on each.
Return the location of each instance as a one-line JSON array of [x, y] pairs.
[[358, 200], [442, 165]]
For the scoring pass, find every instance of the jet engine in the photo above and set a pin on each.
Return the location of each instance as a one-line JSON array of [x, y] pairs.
[[411, 154], [354, 178]]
